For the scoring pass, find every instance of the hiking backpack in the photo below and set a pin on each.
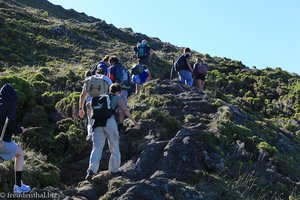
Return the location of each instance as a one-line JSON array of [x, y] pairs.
[[101, 107], [137, 69], [123, 77], [179, 63], [96, 85], [200, 68], [142, 50]]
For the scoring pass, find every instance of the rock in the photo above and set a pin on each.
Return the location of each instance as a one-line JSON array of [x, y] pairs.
[[61, 30], [142, 191], [51, 192], [147, 162], [161, 188], [88, 190]]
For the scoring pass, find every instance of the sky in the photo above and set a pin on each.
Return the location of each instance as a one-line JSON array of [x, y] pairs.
[[261, 33]]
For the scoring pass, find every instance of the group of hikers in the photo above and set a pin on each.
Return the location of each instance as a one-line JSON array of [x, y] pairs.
[[187, 73], [104, 101]]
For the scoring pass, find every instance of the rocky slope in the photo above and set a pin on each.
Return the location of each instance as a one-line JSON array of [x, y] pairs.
[[194, 146]]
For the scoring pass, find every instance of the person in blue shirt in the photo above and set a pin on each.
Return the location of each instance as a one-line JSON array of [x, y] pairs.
[[140, 79]]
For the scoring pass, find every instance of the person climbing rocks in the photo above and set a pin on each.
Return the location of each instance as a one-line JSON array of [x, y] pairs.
[[184, 68], [119, 74], [142, 51], [140, 75], [106, 128], [94, 86], [199, 72], [9, 150]]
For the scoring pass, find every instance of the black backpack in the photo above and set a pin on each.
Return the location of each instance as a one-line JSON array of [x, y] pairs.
[[200, 68], [179, 63], [137, 69], [101, 107]]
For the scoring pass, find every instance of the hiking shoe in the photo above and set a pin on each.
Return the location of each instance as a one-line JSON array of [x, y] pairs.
[[118, 173], [89, 176], [88, 138], [23, 189]]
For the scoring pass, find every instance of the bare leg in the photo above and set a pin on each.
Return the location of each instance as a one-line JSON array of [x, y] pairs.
[[121, 116], [19, 160], [198, 83], [137, 88], [202, 85]]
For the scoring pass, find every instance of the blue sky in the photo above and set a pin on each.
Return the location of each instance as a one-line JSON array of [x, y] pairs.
[[262, 33]]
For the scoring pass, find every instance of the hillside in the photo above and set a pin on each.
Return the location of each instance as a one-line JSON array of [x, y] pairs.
[[239, 140]]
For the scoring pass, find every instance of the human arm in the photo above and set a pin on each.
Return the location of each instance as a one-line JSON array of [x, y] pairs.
[[135, 49], [148, 49], [81, 102], [149, 76], [187, 60], [127, 113]]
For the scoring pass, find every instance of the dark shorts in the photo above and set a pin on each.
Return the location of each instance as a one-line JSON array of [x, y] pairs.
[[200, 77], [144, 61]]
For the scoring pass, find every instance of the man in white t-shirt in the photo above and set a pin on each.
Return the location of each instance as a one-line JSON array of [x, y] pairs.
[[84, 95]]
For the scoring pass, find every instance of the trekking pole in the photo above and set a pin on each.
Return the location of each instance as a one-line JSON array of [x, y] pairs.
[[171, 73], [32, 128], [3, 131]]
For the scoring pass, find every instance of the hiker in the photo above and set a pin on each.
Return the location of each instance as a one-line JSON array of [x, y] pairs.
[[8, 106], [184, 68], [102, 64], [87, 93], [119, 74], [140, 75], [142, 50], [200, 71], [106, 127]]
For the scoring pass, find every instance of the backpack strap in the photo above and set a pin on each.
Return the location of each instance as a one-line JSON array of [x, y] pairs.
[[4, 129], [110, 97]]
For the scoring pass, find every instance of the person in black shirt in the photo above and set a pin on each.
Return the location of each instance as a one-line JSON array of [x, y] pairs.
[[185, 72], [8, 106]]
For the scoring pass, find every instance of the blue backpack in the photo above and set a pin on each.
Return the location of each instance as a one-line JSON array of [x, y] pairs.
[[123, 77]]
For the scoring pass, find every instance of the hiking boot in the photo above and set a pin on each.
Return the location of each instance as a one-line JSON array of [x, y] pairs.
[[118, 173], [89, 176], [23, 189]]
